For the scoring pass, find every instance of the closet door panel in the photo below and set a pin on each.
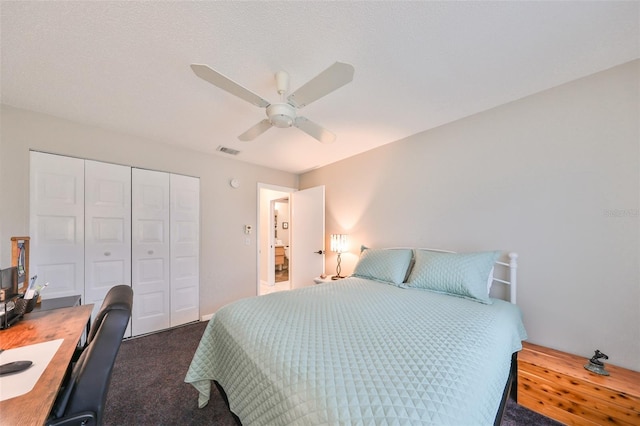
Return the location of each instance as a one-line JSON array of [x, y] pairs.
[[185, 249], [56, 195], [107, 230], [150, 251]]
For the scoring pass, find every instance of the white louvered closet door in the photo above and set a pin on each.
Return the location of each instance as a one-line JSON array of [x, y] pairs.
[[150, 251]]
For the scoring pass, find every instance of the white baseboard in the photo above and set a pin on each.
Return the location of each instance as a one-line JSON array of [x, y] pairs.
[[206, 317]]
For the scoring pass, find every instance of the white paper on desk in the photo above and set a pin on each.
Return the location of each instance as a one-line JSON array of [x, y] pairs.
[[39, 354]]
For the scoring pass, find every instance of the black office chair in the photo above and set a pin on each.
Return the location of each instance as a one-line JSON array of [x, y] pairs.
[[82, 400], [118, 297]]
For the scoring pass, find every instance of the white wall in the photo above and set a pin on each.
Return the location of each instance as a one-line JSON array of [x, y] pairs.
[[227, 266], [554, 177]]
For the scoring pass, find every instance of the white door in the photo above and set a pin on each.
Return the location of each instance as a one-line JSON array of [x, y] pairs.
[[56, 223], [107, 230], [185, 249], [307, 236], [150, 260]]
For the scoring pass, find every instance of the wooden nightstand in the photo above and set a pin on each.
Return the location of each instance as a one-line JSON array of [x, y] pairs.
[[557, 385]]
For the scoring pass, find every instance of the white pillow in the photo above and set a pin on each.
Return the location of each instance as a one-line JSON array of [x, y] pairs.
[[490, 280]]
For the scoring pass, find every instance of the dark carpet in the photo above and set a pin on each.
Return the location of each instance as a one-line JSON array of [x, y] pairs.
[[148, 388]]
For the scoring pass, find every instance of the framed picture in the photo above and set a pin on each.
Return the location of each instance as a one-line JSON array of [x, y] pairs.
[[285, 225]]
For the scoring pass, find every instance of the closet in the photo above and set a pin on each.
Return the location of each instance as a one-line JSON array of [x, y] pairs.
[[94, 225]]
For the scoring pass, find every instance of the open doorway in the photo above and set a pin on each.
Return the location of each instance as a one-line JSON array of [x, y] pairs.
[[281, 214], [274, 243], [306, 235]]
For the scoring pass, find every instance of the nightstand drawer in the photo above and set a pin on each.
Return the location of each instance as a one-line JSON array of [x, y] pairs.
[[555, 384]]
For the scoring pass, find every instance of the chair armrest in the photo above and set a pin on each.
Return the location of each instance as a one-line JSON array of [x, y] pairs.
[[87, 418]]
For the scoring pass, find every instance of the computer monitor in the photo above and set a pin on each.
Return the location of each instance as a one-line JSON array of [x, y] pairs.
[[8, 283]]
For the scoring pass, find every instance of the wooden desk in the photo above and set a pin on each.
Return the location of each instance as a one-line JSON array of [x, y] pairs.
[[33, 407], [58, 302]]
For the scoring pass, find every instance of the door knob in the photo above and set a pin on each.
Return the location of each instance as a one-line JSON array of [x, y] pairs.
[[319, 251], [150, 252]]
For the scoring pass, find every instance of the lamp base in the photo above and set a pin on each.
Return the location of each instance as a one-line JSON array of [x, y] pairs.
[[337, 277]]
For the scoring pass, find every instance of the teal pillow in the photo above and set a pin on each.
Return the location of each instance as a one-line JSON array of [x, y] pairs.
[[386, 265], [459, 274]]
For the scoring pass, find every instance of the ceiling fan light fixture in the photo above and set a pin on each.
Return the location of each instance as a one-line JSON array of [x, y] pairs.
[[281, 121], [281, 115]]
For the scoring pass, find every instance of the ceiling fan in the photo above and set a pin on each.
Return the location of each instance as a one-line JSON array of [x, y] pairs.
[[283, 114]]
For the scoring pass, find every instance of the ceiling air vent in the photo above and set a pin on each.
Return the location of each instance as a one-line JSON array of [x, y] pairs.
[[226, 150]]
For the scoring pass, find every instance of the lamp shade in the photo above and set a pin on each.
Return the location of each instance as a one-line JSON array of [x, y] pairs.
[[339, 243]]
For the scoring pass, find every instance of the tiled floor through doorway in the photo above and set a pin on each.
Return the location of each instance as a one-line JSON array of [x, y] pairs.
[[280, 286], [282, 275]]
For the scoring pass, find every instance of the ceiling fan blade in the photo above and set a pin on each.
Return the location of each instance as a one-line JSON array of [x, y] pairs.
[[334, 77], [225, 83], [314, 130], [255, 131]]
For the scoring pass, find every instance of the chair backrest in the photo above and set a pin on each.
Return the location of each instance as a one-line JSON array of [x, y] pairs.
[[118, 297], [83, 399]]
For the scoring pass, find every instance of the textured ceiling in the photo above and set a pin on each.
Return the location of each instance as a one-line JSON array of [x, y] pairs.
[[125, 65]]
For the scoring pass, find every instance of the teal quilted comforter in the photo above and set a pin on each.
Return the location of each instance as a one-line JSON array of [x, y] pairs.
[[359, 352]]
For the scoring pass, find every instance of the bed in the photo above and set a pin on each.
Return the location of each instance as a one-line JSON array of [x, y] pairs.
[[411, 338]]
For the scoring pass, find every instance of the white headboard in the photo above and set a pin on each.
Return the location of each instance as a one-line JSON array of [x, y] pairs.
[[512, 281]]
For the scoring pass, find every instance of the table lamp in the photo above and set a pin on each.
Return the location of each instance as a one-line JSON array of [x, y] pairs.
[[339, 244]]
